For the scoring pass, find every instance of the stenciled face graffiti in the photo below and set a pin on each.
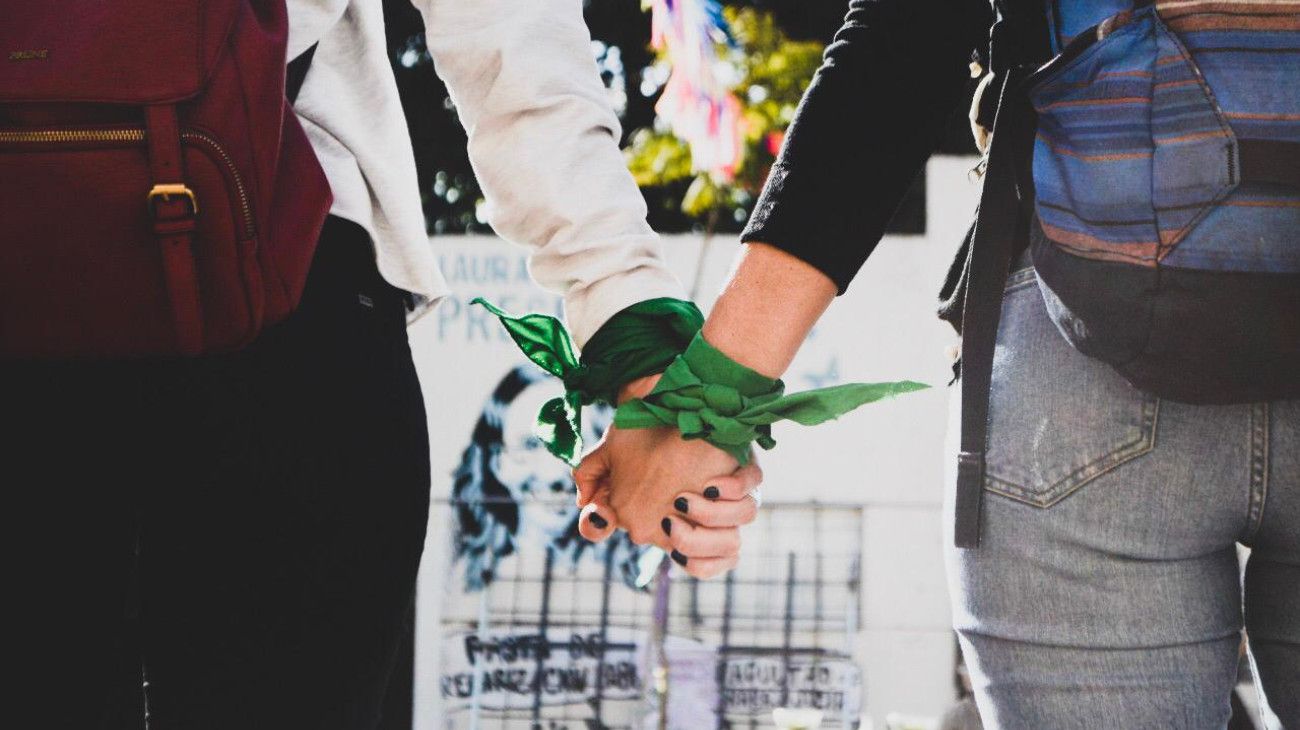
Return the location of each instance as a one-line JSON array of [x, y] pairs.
[[539, 481], [510, 494]]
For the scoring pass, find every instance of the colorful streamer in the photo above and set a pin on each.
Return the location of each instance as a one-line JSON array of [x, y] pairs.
[[696, 103]]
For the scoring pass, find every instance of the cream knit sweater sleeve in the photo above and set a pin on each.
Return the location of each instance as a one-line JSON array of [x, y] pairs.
[[543, 141]]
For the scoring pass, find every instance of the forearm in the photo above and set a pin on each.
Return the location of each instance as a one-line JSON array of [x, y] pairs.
[[767, 309], [751, 322], [725, 389]]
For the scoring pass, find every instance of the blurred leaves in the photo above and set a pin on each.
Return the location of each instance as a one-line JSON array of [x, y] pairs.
[[658, 158], [772, 71]]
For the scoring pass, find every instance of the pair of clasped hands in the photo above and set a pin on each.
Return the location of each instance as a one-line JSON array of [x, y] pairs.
[[687, 497]]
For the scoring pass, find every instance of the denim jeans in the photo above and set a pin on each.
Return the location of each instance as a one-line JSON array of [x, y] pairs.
[[1107, 592]]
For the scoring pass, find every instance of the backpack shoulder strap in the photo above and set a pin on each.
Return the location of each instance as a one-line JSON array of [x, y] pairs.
[[1020, 35], [992, 243]]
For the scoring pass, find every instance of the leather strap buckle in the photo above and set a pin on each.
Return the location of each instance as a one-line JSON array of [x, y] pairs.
[[167, 190], [970, 488], [971, 463]]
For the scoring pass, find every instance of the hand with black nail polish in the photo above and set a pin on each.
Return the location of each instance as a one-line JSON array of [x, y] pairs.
[[686, 497], [636, 477]]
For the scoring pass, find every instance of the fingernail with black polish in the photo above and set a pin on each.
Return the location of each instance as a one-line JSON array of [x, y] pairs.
[[712, 493], [679, 558], [681, 504], [600, 522], [667, 524]]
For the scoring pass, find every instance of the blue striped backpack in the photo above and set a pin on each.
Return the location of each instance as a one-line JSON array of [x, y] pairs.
[[1152, 169], [1166, 173]]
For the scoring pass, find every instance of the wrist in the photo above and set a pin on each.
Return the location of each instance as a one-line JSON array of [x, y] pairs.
[[637, 388], [745, 347], [618, 363]]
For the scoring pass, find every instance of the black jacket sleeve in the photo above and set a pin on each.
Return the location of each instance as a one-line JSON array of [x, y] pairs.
[[874, 112]]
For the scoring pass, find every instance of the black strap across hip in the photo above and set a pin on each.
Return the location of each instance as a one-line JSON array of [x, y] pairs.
[[1003, 220]]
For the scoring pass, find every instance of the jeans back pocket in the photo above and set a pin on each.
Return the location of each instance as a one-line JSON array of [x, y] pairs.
[[1057, 419]]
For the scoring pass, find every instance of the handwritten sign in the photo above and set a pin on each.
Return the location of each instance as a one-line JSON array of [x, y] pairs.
[[516, 670], [757, 685]]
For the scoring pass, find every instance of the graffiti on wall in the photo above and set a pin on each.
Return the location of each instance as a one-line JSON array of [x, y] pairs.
[[509, 491], [523, 624], [516, 670]]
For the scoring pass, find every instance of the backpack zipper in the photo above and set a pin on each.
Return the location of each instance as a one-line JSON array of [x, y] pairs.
[[241, 192], [136, 135], [66, 136]]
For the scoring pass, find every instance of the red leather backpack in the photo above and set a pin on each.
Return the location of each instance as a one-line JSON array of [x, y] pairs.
[[157, 194]]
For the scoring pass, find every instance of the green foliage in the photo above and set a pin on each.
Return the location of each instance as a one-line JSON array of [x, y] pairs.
[[658, 158], [773, 72]]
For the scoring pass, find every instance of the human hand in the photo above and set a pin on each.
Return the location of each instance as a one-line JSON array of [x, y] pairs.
[[686, 497]]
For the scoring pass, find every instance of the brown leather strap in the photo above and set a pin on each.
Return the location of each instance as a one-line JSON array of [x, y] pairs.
[[174, 209]]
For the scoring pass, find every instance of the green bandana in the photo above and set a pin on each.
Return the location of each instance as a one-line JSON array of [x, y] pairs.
[[638, 341], [706, 395]]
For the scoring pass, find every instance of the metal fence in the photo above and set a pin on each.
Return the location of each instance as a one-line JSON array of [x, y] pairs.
[[541, 630]]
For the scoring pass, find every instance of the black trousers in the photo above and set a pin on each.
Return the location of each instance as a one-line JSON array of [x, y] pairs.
[[229, 542]]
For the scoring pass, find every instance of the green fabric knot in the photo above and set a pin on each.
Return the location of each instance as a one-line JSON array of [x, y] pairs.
[[726, 401], [575, 380], [706, 395], [638, 341], [703, 393]]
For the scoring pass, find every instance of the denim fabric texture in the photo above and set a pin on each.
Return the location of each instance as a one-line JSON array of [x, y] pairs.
[[1107, 592]]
